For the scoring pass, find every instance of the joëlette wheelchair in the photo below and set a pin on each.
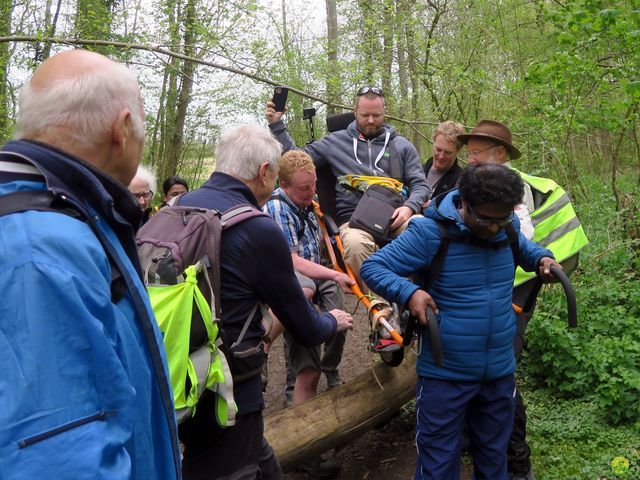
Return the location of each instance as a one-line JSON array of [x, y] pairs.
[[392, 350]]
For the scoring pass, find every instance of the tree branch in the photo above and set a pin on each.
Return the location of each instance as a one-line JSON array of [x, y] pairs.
[[170, 53]]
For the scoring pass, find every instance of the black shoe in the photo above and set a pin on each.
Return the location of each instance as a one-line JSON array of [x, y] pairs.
[[320, 468], [522, 476], [333, 379]]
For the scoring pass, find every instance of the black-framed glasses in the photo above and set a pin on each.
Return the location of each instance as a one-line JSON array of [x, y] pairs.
[[477, 152], [146, 195], [487, 221], [375, 90]]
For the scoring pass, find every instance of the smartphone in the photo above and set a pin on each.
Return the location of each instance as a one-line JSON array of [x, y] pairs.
[[280, 98]]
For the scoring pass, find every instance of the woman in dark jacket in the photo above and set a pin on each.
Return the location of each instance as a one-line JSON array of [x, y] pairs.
[[172, 187]]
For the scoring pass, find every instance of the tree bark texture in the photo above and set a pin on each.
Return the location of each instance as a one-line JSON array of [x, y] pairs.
[[341, 414]]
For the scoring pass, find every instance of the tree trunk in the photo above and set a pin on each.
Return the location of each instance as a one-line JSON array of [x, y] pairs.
[[387, 46], [5, 28], [184, 94], [402, 9], [341, 414], [93, 20], [333, 69], [370, 42], [168, 108]]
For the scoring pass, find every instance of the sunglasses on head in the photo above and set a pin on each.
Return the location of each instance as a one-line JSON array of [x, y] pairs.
[[375, 90], [487, 222]]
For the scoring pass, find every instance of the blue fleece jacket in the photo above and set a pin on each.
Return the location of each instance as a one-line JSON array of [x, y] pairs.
[[472, 291]]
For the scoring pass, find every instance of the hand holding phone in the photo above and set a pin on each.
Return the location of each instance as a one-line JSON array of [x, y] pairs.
[[280, 98]]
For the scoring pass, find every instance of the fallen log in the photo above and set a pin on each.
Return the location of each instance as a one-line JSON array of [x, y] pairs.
[[342, 414]]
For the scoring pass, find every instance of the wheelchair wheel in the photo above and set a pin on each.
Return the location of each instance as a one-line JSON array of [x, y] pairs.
[[393, 359]]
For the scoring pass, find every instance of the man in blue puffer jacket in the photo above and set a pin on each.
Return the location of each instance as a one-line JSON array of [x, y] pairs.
[[472, 297], [84, 390]]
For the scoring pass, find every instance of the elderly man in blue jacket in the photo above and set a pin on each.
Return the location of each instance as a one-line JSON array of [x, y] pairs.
[[471, 295], [84, 387]]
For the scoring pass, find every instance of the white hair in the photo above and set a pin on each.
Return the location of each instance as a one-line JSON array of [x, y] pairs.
[[241, 151], [147, 175], [84, 105]]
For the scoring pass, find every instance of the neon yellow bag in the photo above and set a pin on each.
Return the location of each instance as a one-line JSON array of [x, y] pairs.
[[207, 366]]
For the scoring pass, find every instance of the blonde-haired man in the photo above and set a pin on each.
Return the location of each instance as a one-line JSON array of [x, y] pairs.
[[442, 169], [291, 208]]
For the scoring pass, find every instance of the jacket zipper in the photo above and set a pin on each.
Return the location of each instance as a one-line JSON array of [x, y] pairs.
[[370, 148], [490, 332], [100, 416]]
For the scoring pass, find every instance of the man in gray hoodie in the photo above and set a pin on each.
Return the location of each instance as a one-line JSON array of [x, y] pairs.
[[368, 147]]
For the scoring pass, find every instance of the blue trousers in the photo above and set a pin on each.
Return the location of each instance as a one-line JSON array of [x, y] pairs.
[[442, 407]]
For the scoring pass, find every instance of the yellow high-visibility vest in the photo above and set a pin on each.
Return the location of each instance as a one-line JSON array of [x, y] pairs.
[[206, 367], [556, 226]]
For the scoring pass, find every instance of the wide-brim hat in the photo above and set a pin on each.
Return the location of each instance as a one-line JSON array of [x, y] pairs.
[[494, 131]]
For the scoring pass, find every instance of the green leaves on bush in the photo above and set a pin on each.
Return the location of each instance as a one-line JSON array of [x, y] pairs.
[[602, 356]]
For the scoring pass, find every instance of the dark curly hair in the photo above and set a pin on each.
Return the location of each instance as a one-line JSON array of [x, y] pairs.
[[171, 181], [490, 183]]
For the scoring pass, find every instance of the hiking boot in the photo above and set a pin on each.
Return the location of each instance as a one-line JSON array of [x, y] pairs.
[[522, 476], [384, 311], [321, 468], [333, 379]]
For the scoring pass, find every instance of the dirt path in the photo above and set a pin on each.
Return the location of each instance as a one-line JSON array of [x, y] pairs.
[[386, 452]]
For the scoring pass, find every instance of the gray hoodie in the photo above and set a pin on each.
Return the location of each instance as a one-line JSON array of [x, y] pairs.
[[349, 152]]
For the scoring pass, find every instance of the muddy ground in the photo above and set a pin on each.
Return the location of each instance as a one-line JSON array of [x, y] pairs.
[[386, 452]]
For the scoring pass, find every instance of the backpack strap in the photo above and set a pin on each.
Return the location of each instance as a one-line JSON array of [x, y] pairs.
[[438, 259], [232, 217], [45, 201], [303, 216], [514, 243]]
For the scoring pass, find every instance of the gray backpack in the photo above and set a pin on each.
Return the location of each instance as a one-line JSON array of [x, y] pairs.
[[179, 249]]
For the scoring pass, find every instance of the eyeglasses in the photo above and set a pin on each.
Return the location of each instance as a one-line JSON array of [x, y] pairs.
[[477, 152], [487, 222], [146, 195], [375, 90]]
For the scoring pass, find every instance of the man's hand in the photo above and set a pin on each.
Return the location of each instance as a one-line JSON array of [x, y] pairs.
[[270, 113], [418, 303], [344, 281], [545, 269], [343, 319], [401, 215]]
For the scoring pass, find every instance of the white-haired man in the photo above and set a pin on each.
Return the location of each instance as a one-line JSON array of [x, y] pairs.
[[85, 390], [143, 186], [255, 265]]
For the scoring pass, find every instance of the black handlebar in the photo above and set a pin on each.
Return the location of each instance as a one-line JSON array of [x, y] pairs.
[[572, 309], [434, 335]]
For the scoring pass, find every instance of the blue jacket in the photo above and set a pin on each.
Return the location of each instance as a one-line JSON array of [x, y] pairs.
[[472, 292], [84, 386]]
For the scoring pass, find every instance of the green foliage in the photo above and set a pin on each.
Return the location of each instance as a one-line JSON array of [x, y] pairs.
[[586, 80], [602, 356], [569, 440]]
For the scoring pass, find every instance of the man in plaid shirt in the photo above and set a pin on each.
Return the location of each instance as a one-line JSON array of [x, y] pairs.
[[291, 207]]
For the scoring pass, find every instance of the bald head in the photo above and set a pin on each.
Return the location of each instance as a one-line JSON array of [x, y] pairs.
[[68, 65], [85, 104]]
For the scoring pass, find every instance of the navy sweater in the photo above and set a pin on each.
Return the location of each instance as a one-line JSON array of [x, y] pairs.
[[255, 264]]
